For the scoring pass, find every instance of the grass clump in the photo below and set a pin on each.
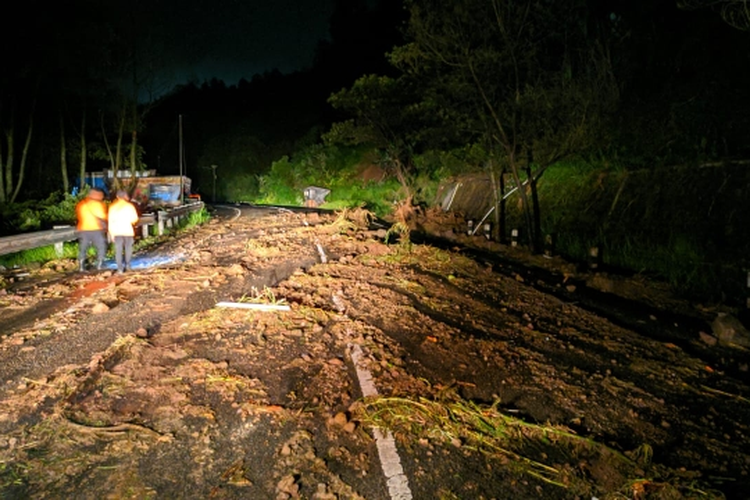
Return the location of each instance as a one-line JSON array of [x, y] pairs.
[[565, 455], [41, 254]]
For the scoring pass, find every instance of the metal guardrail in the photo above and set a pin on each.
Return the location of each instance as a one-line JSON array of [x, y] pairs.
[[58, 236], [19, 242]]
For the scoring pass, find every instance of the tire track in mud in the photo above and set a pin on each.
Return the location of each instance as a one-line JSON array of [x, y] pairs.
[[95, 333]]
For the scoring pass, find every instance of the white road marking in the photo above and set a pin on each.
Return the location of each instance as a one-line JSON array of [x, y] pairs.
[[237, 210], [398, 483], [257, 307]]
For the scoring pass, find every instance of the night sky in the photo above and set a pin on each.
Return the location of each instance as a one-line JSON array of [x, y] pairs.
[[231, 39]]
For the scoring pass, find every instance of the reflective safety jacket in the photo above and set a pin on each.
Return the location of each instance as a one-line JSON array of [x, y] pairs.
[[122, 216], [92, 215]]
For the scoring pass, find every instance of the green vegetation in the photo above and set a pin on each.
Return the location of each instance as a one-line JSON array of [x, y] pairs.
[[453, 421], [41, 255], [338, 168], [196, 218], [34, 215], [683, 225]]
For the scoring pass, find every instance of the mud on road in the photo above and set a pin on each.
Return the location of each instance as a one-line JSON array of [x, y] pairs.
[[138, 386]]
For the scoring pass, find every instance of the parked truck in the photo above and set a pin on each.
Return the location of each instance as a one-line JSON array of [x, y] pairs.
[[151, 191]]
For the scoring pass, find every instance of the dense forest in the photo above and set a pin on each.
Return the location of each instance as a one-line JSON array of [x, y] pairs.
[[658, 83]]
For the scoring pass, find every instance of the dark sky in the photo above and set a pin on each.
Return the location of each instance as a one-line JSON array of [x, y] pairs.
[[231, 39]]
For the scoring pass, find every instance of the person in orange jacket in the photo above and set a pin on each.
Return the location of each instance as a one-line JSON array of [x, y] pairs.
[[122, 217], [92, 224]]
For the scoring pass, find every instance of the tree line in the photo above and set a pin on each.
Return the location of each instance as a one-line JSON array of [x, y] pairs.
[[534, 82], [522, 84]]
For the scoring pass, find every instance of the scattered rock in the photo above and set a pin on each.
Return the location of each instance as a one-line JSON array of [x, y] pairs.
[[340, 419], [288, 485], [378, 249], [728, 330], [235, 270], [99, 308], [708, 339], [321, 493], [601, 282]]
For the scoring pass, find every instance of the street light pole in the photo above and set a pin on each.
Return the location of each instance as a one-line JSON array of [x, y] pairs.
[[182, 186]]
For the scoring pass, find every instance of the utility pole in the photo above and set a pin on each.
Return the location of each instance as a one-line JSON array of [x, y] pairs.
[[213, 196], [182, 186]]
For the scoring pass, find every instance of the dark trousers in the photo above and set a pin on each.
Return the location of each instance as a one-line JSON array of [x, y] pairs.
[[123, 243], [88, 238]]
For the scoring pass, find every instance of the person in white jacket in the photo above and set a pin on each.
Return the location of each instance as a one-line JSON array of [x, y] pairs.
[[122, 216]]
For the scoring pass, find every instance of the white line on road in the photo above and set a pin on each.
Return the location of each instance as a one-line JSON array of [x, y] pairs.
[[236, 215], [257, 307], [398, 483]]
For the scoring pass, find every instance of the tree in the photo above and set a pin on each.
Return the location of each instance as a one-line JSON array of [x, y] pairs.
[[13, 176], [386, 115], [529, 82], [20, 82], [735, 12]]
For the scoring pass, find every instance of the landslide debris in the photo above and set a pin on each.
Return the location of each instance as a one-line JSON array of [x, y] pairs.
[[139, 387]]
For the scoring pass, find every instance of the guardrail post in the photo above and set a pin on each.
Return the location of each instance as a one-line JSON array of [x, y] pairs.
[[59, 246], [595, 257], [160, 216]]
